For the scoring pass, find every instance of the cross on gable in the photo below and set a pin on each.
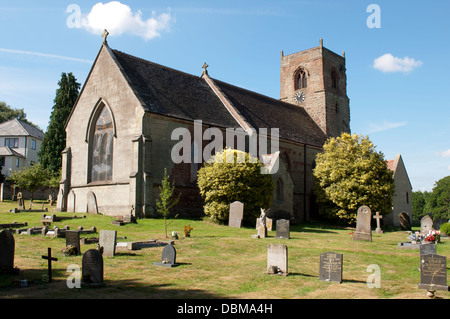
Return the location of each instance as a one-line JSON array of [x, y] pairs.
[[204, 67], [50, 259], [105, 35]]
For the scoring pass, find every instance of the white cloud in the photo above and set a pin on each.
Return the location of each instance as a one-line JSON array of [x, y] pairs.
[[389, 63], [385, 125], [444, 153], [118, 18]]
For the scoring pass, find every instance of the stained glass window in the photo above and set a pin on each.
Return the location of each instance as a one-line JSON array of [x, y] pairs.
[[102, 148]]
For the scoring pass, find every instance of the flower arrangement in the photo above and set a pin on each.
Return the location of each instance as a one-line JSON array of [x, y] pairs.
[[432, 236], [187, 231], [175, 235]]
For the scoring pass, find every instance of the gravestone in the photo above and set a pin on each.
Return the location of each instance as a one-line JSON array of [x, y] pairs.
[[405, 222], [7, 247], [107, 242], [377, 216], [433, 272], [426, 224], [277, 259], [330, 267], [92, 267], [427, 249], [363, 230], [168, 257], [92, 203], [283, 228], [73, 239], [236, 214]]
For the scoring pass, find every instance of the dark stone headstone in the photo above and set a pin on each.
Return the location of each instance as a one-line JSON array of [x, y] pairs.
[[92, 267], [236, 214], [330, 267], [283, 228], [405, 222], [168, 257], [7, 247], [433, 272], [73, 239], [363, 228], [426, 249]]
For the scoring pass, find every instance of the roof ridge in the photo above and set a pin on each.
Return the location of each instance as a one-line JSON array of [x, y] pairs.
[[154, 63]]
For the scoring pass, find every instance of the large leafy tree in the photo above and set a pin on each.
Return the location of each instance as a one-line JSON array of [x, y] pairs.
[[55, 138], [8, 113], [438, 203], [351, 173], [233, 175]]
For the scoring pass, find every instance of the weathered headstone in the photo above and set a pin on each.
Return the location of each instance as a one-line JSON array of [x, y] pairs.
[[426, 249], [107, 242], [363, 230], [168, 257], [7, 247], [236, 214], [433, 272], [277, 259], [73, 239], [378, 217], [92, 267], [405, 222], [426, 224], [283, 228], [92, 203], [330, 267]]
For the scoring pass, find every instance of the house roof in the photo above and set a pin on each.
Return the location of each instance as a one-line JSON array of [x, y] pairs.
[[8, 151], [16, 127], [170, 92]]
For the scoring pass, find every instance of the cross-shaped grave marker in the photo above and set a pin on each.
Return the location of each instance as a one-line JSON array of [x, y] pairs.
[[378, 217], [50, 259]]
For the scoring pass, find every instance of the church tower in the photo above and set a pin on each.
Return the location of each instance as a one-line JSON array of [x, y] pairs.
[[315, 79]]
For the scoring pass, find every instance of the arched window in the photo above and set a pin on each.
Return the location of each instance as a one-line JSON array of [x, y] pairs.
[[302, 81], [102, 147], [280, 189]]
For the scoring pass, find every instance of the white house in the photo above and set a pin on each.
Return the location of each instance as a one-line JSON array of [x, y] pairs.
[[19, 145]]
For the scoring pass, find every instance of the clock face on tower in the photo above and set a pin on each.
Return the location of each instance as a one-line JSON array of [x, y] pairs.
[[299, 97]]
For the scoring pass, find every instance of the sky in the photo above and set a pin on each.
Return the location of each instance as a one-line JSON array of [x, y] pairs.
[[397, 57]]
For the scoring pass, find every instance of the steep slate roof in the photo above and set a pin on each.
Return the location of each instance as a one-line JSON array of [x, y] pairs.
[[16, 127], [173, 93]]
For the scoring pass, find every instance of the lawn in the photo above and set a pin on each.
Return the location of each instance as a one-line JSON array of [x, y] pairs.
[[217, 262]]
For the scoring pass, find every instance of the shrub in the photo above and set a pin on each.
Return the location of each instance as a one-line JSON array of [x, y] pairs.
[[445, 228], [223, 181]]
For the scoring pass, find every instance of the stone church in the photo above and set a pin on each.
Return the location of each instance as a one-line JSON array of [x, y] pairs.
[[119, 134]]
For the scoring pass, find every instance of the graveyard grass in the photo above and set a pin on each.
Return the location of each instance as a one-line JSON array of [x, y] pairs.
[[217, 262]]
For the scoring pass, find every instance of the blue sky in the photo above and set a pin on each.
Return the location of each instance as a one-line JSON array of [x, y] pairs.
[[401, 101]]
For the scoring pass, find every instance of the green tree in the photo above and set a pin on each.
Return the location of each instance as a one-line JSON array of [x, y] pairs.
[[55, 138], [8, 113], [166, 201], [223, 181], [351, 173], [438, 203], [418, 204], [30, 178]]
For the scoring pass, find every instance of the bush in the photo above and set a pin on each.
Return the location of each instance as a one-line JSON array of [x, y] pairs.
[[223, 181], [445, 228]]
